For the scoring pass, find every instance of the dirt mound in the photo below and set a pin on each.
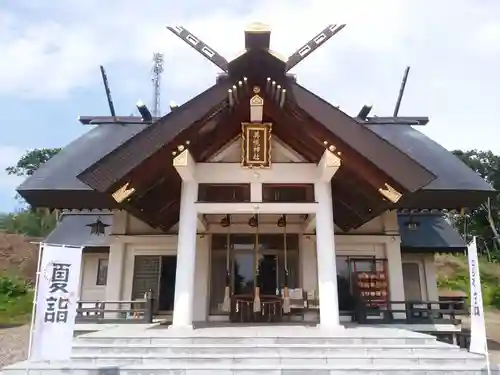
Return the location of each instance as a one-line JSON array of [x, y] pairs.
[[448, 266], [18, 256]]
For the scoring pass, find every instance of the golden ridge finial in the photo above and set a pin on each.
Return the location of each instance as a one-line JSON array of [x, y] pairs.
[[258, 27]]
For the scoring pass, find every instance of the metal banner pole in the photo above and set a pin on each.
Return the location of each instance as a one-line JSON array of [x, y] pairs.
[[35, 294]]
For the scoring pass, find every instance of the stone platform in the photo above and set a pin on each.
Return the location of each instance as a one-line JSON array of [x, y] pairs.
[[266, 349]]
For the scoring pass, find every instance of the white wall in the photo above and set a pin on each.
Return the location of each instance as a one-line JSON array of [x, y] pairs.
[[384, 245], [427, 271], [89, 291], [381, 246], [167, 245]]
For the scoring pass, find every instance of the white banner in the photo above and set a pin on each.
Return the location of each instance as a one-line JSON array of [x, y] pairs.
[[56, 299], [478, 342]]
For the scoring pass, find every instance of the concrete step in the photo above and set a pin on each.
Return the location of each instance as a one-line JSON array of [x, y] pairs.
[[276, 359], [255, 349], [62, 368], [340, 341]]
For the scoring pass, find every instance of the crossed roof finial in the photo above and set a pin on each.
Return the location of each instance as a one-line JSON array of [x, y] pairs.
[[257, 35]]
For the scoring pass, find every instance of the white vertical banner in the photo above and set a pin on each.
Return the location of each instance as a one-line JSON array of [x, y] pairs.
[[56, 300], [478, 343]]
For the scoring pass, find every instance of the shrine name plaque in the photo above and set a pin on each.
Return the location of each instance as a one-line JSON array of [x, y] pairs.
[[256, 145]]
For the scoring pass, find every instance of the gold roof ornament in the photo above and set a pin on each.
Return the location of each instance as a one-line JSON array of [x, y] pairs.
[[258, 27], [123, 193], [257, 100], [256, 106], [390, 193]]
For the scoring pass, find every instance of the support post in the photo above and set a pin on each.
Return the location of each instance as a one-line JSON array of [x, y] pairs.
[[186, 257], [325, 248], [114, 281], [396, 280]]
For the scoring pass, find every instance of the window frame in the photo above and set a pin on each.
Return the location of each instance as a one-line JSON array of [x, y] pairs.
[[102, 280], [272, 192], [240, 193]]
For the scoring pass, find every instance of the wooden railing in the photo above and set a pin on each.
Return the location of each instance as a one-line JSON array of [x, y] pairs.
[[411, 312], [136, 311], [393, 312]]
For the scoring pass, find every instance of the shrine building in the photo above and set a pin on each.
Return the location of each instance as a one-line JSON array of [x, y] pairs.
[[256, 200]]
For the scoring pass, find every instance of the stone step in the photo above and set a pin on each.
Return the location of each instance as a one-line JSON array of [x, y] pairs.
[[85, 348], [343, 341], [75, 368], [294, 349], [273, 360]]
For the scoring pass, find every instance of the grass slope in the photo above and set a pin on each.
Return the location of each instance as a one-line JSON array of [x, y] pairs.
[[453, 274]]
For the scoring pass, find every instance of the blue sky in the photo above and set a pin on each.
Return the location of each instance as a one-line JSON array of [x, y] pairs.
[[51, 52]]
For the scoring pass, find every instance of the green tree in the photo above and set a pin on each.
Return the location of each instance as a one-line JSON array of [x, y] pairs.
[[484, 221], [31, 161], [30, 221]]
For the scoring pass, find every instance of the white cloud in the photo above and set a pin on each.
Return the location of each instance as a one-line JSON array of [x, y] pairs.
[[51, 55], [48, 50]]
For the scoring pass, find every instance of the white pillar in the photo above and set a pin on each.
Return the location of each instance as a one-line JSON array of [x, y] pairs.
[[396, 281], [325, 249], [255, 192], [201, 278], [114, 281], [186, 257]]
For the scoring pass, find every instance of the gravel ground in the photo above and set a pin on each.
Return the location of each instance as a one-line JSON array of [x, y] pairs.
[[13, 344]]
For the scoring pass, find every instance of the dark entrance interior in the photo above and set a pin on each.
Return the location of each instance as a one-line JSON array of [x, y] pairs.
[[268, 275], [167, 283]]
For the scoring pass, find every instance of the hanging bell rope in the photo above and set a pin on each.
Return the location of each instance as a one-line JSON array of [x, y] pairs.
[[254, 222], [226, 304], [286, 292]]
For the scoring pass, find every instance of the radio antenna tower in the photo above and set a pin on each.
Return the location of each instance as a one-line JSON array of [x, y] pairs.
[[156, 79]]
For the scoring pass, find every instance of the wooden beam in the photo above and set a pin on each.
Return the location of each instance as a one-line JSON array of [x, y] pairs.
[[357, 139], [154, 202], [351, 200], [199, 46], [416, 121], [117, 120], [288, 133], [170, 215], [259, 208], [351, 159], [227, 128], [280, 173], [312, 45], [165, 133]]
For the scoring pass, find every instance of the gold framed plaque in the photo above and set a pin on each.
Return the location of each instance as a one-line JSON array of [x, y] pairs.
[[256, 145]]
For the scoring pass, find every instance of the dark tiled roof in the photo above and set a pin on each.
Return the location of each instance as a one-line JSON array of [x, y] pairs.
[[451, 172], [456, 185], [56, 184], [433, 233], [57, 179], [72, 230]]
